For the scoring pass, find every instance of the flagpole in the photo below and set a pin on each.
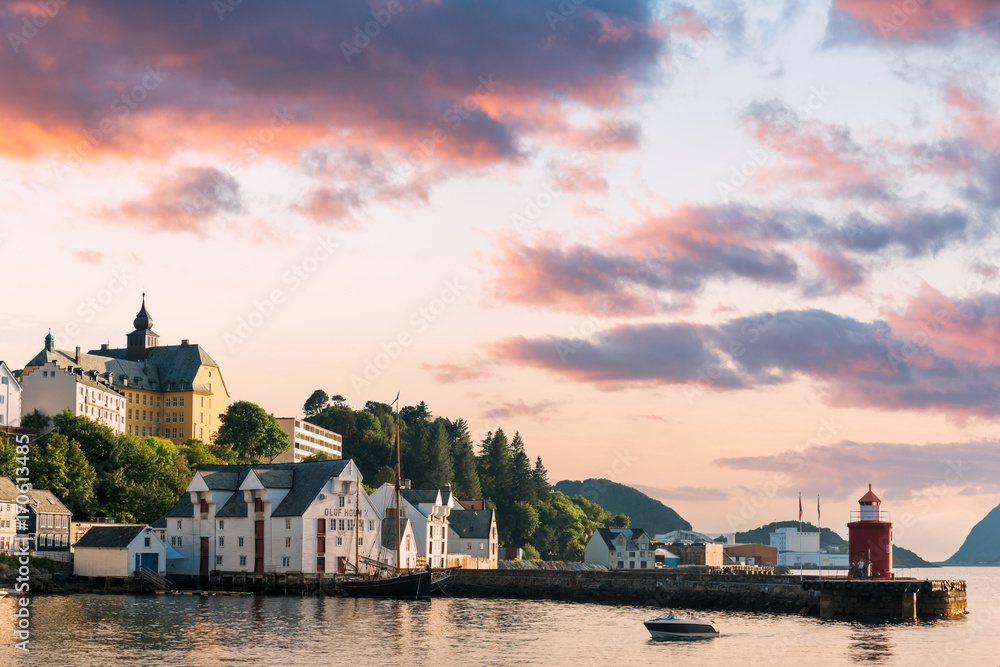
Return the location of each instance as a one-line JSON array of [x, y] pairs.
[[819, 520], [800, 536]]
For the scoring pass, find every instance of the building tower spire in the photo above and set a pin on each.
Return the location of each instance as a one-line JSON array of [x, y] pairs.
[[140, 341]]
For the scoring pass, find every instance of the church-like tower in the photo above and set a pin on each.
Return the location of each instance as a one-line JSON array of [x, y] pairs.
[[143, 339]]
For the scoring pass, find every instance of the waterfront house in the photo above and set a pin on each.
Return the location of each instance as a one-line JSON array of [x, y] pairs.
[[473, 533], [428, 511], [119, 550], [47, 525], [620, 549], [8, 515], [278, 517]]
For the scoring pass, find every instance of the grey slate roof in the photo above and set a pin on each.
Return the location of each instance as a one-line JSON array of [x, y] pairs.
[[8, 490], [304, 481], [472, 524], [389, 531], [45, 502], [109, 537], [166, 368], [235, 507], [631, 534], [418, 496]]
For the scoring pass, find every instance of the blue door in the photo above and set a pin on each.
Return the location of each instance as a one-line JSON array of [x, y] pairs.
[[150, 561]]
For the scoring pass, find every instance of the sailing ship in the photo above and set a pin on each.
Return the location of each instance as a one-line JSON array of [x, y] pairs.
[[391, 580]]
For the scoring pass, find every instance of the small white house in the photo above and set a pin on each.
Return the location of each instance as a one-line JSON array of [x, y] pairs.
[[118, 551], [620, 549], [407, 544], [474, 533]]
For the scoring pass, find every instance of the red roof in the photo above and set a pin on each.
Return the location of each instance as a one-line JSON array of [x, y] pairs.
[[870, 497]]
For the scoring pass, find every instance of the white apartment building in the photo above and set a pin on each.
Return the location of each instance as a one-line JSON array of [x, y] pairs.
[[8, 514], [51, 389], [10, 397], [305, 439], [279, 517]]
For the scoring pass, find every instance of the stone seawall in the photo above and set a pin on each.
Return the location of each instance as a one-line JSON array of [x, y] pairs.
[[663, 587], [702, 590]]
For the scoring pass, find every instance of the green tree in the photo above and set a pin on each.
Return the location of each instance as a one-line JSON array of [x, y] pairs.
[[318, 456], [385, 475], [59, 465], [316, 403], [522, 477], [620, 521], [541, 478], [197, 454], [252, 434], [35, 420], [466, 478], [8, 456], [523, 524], [438, 471]]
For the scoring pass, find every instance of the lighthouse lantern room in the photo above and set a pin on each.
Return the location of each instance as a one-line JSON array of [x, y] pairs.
[[870, 539]]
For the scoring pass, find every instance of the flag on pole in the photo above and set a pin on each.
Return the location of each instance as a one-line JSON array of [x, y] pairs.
[[396, 399], [800, 507], [818, 515]]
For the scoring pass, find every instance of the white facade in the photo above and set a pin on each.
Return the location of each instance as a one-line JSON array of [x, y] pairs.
[[51, 389], [273, 518], [407, 545], [474, 533], [428, 512], [8, 514], [788, 539], [10, 397], [306, 439], [120, 559], [620, 549]]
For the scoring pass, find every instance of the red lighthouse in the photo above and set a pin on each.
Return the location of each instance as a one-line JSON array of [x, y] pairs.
[[870, 539]]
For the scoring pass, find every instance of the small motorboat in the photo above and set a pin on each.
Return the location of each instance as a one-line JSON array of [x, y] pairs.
[[680, 625], [3, 594]]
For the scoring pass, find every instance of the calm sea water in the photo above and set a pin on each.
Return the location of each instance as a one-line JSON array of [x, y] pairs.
[[186, 630]]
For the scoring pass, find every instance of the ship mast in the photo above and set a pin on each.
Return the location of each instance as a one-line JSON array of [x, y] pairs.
[[357, 528], [398, 485]]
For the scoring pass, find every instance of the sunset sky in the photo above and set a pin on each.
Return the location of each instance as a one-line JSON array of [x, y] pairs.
[[723, 252]]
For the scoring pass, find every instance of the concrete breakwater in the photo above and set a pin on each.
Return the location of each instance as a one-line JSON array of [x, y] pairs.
[[691, 590], [714, 590]]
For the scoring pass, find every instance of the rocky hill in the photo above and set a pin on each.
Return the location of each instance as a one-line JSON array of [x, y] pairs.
[[982, 546]]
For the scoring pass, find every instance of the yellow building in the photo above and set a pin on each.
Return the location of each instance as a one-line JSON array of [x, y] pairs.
[[171, 391]]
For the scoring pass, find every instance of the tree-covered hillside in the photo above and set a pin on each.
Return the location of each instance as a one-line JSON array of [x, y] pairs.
[[982, 546], [437, 451], [647, 513]]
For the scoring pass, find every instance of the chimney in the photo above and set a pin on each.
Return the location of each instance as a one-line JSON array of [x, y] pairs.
[[77, 354], [185, 342], [104, 347], [406, 483]]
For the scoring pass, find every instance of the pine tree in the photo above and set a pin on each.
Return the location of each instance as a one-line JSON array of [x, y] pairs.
[[541, 478], [498, 466], [522, 478], [464, 461], [439, 469]]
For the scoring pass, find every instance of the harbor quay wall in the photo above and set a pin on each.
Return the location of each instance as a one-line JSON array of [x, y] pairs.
[[722, 591], [661, 587]]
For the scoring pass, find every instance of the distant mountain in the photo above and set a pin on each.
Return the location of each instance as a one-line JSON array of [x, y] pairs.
[[647, 513], [900, 557], [982, 546]]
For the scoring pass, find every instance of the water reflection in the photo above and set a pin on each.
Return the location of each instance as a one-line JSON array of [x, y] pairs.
[[870, 642]]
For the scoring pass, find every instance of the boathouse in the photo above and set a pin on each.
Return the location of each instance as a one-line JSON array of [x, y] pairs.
[[119, 551]]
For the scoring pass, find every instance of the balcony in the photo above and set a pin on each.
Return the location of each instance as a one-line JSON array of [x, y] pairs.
[[871, 516]]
